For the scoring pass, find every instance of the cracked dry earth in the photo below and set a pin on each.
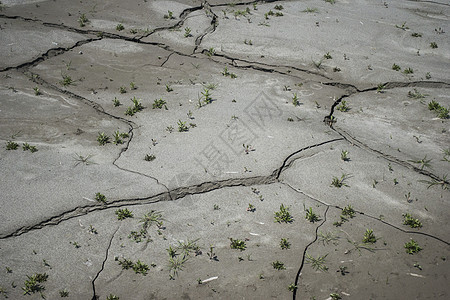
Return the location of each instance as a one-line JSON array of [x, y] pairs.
[[240, 109]]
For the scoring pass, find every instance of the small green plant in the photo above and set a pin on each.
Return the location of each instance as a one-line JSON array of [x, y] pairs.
[[159, 103], [64, 293], [120, 27], [211, 254], [396, 67], [100, 198], [10, 145], [75, 244], [348, 211], [433, 45], [369, 237], [169, 15], [415, 94], [380, 88], [187, 32], [295, 100], [125, 263], [26, 146], [311, 10], [237, 244], [278, 265], [216, 207], [327, 55], [82, 20], [116, 102], [408, 71], [226, 73], [210, 52], [412, 247], [117, 138], [343, 106], [182, 126], [327, 238], [428, 75], [152, 217], [442, 182], [67, 80], [207, 96], [284, 244], [123, 213], [188, 247], [283, 216], [424, 162], [122, 90], [102, 139], [140, 268], [292, 287], [344, 155], [149, 157], [137, 106], [416, 34], [343, 270], [251, 208], [112, 297], [175, 265], [311, 216], [442, 112], [316, 263], [340, 182], [34, 284], [37, 91], [410, 221], [133, 86], [335, 296]]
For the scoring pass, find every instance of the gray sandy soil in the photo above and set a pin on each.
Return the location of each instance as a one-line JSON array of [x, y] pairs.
[[221, 116]]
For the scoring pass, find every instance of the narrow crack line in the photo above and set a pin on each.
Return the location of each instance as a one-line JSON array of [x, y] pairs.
[[286, 163], [95, 297], [211, 28], [432, 2], [387, 157], [50, 53], [297, 277], [168, 56], [369, 216]]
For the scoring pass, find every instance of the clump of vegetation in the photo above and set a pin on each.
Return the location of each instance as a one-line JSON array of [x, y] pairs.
[[396, 67], [37, 91], [116, 102], [348, 211], [283, 216], [369, 237], [311, 216], [316, 263], [210, 52], [226, 73], [408, 71], [102, 138], [159, 103], [149, 157], [10, 145], [26, 147], [344, 155], [410, 221], [138, 267], [137, 106], [169, 15], [295, 100], [100, 198], [415, 94], [82, 20], [182, 126], [412, 247], [120, 27], [442, 112], [152, 217], [124, 213], [339, 182], [284, 244], [34, 284], [343, 106], [433, 45], [237, 244], [278, 265], [67, 80]]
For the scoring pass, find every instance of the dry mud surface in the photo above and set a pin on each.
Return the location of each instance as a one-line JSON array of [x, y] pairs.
[[216, 116]]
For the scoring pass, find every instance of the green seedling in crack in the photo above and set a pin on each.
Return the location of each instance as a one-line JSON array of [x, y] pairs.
[[327, 238], [278, 265], [100, 198], [112, 297], [369, 237], [283, 216], [210, 52], [410, 221], [120, 27], [340, 182], [442, 182], [237, 244], [396, 67], [102, 139], [284, 244], [380, 88], [311, 216], [412, 247], [169, 15], [123, 213], [34, 284], [82, 20], [10, 145], [344, 155], [295, 100], [316, 263], [292, 287], [424, 162]]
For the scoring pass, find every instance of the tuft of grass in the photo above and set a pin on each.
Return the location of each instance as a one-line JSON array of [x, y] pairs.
[[311, 216], [284, 244], [348, 211], [169, 15], [237, 244], [67, 80], [187, 32], [369, 237], [410, 221], [283, 216], [26, 146], [295, 100], [116, 102], [175, 265], [210, 52], [10, 145], [37, 91], [34, 284], [442, 182], [343, 106], [441, 111], [278, 265], [412, 247], [82, 20], [182, 126], [316, 263], [424, 162], [408, 71], [396, 67], [339, 182], [120, 27], [416, 34], [152, 217], [140, 268], [124, 213], [344, 155], [327, 238], [149, 157], [100, 198], [433, 45], [122, 90], [102, 139]]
